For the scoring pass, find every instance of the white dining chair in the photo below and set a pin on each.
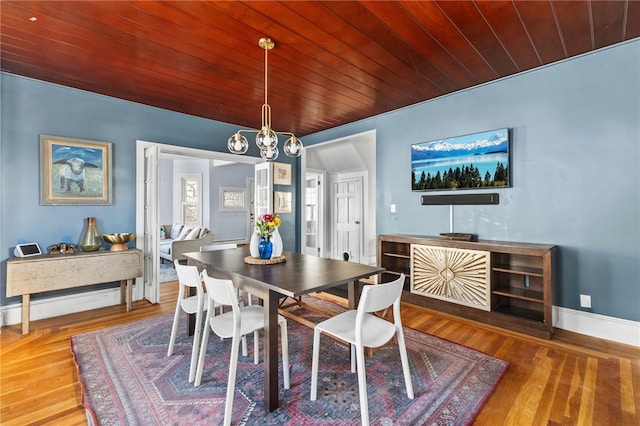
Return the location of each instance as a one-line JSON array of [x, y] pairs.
[[188, 278], [230, 246], [360, 328], [238, 322], [224, 246]]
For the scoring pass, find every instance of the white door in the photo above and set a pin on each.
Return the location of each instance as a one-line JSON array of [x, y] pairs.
[[347, 223], [151, 225], [264, 189], [313, 214]]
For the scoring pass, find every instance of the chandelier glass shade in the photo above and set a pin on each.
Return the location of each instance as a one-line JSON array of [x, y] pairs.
[[266, 137]]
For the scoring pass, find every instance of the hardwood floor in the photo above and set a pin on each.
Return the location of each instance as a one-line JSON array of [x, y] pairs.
[[570, 380]]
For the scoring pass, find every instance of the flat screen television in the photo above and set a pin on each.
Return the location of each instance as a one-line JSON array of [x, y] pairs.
[[475, 161]]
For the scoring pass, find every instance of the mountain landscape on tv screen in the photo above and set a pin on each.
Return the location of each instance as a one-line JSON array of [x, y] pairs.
[[498, 142]]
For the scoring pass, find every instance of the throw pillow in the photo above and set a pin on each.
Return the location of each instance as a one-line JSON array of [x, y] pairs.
[[193, 235], [183, 234], [175, 230]]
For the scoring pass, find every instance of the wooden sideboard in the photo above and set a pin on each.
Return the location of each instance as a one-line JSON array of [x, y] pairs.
[[505, 284], [26, 276]]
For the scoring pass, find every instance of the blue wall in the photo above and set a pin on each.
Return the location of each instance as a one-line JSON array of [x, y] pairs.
[[576, 133], [575, 167], [30, 108]]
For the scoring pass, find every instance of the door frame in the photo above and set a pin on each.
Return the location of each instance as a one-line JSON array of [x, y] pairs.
[[250, 203], [370, 237], [322, 212], [151, 291]]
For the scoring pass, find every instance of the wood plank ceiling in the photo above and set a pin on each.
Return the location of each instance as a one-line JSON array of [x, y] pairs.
[[334, 62]]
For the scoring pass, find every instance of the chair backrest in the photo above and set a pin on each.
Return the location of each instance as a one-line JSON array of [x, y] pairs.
[[219, 246], [188, 275], [221, 291], [377, 297]]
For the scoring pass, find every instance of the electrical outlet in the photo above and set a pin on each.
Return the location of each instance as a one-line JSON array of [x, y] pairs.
[[393, 208], [585, 301]]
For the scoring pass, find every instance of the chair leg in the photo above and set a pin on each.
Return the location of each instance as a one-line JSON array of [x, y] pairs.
[[256, 347], [231, 383], [244, 345], [405, 362], [362, 386], [195, 346], [203, 350], [285, 354], [353, 357], [174, 330], [314, 363]]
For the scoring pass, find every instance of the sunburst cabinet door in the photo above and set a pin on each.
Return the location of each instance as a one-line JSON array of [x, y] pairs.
[[455, 275]]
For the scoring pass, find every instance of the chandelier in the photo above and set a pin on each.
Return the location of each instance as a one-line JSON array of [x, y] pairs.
[[266, 137]]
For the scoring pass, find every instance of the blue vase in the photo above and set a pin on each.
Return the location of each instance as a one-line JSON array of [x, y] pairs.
[[265, 247]]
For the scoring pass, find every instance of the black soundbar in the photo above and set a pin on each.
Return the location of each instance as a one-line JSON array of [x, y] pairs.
[[460, 199]]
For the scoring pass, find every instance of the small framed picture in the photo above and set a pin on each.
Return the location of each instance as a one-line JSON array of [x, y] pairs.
[[281, 174], [282, 202], [232, 199], [74, 171]]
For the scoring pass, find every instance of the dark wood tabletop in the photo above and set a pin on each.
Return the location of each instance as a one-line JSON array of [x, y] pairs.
[[299, 275]]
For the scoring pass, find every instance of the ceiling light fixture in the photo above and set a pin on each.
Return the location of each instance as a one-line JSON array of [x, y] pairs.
[[266, 137]]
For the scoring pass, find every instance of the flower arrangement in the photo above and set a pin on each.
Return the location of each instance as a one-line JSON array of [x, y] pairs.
[[267, 224]]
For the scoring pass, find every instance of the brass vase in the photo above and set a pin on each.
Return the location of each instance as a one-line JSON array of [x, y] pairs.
[[90, 239]]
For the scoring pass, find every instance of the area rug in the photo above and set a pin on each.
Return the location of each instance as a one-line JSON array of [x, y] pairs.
[[167, 273], [127, 379]]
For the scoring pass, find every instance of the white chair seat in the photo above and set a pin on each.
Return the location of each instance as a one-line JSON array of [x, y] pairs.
[[252, 319], [375, 330], [190, 304]]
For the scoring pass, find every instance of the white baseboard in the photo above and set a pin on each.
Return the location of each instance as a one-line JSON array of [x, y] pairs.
[[594, 325]]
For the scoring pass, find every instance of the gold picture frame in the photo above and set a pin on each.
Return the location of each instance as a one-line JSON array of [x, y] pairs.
[[281, 174], [282, 202], [74, 171]]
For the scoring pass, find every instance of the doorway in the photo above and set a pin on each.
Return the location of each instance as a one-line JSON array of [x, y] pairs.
[[147, 205], [346, 157]]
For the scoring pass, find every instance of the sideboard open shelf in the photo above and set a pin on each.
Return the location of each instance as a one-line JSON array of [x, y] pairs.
[[519, 283], [397, 260]]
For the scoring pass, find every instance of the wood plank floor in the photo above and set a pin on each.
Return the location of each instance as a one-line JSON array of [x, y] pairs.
[[570, 380]]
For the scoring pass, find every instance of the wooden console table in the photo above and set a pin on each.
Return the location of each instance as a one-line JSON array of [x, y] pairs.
[[505, 284], [30, 275]]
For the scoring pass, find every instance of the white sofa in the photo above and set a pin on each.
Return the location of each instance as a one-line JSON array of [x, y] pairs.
[[181, 239]]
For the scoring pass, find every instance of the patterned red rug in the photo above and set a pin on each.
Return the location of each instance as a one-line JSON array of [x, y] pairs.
[[127, 379]]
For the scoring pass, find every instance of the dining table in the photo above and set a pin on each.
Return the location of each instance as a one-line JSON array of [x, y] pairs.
[[298, 274]]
